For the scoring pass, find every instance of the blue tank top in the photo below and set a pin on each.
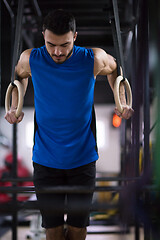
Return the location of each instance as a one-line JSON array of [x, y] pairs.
[[63, 96]]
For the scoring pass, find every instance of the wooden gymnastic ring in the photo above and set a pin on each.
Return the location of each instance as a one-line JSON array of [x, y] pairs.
[[116, 93], [20, 97]]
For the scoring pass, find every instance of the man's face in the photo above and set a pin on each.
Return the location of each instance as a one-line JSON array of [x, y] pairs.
[[59, 47]]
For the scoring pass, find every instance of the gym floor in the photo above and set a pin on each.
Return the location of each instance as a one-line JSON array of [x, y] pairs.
[[23, 232]]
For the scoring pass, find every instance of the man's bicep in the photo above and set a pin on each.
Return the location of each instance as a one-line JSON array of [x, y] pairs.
[[23, 67], [104, 63], [99, 63], [109, 64]]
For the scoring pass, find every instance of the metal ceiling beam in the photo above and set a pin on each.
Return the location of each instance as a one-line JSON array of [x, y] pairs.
[[37, 8]]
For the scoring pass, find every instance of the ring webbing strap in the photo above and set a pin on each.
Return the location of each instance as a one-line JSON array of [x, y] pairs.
[[17, 40], [117, 38]]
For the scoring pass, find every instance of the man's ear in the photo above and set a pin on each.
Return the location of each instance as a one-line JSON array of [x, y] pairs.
[[75, 36], [43, 34]]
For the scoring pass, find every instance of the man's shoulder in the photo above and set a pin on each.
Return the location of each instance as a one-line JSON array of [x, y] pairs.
[[98, 52], [27, 52], [100, 57], [25, 55]]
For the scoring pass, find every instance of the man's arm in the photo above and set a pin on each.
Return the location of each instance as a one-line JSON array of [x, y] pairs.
[[105, 64], [22, 73]]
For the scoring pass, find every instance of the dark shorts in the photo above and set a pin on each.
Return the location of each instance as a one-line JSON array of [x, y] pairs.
[[53, 206]]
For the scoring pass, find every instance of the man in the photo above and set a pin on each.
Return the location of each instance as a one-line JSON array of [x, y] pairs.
[[65, 150]]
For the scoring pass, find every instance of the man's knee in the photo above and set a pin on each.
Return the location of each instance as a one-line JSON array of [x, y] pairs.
[[74, 233], [56, 233]]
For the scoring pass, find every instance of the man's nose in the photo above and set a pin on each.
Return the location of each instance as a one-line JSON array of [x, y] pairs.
[[57, 51]]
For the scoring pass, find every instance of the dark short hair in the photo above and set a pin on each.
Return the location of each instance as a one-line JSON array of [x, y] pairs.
[[59, 22]]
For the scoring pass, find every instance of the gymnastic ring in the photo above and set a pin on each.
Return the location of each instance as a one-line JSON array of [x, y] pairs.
[[20, 97], [116, 93]]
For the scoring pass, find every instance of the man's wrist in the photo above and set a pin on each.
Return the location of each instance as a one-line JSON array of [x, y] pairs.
[[13, 108]]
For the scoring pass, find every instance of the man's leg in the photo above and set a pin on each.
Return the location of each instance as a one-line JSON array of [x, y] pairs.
[[56, 233], [78, 205], [51, 205], [74, 233]]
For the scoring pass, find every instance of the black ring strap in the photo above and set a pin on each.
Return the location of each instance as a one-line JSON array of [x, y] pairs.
[[17, 40], [116, 33]]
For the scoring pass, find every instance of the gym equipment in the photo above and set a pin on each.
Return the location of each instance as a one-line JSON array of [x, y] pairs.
[[114, 21], [20, 97], [16, 83], [16, 51], [118, 81]]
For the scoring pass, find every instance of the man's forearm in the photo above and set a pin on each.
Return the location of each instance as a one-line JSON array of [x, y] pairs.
[[112, 78]]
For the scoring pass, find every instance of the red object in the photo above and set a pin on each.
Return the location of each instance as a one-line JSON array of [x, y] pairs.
[[5, 172], [116, 121]]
